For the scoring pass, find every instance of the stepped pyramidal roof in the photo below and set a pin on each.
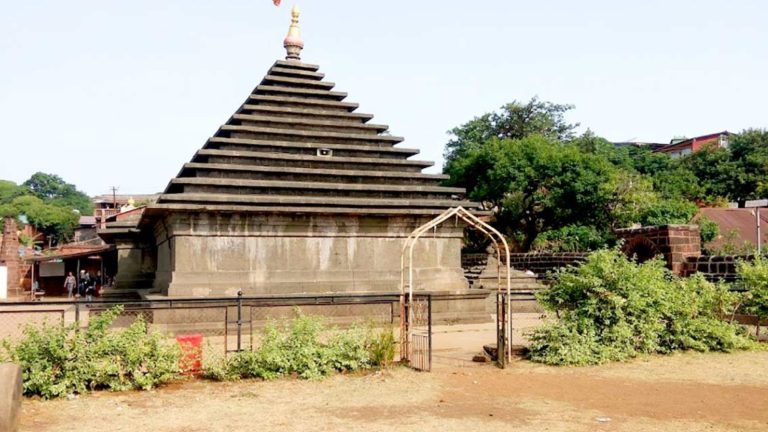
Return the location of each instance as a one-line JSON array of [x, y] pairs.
[[297, 145]]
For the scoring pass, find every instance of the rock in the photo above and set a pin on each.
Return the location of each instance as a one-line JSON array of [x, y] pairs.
[[10, 396], [491, 350], [481, 358]]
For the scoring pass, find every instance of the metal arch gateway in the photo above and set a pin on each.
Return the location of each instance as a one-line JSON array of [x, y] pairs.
[[503, 302]]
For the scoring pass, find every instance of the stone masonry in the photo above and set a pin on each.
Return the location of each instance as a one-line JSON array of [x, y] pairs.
[[9, 256], [296, 193], [676, 243]]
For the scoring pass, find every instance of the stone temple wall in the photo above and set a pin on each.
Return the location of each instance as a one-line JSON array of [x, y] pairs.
[[208, 254]]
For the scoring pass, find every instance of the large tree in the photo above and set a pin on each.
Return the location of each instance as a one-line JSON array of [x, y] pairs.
[[8, 191], [514, 120], [54, 190], [749, 154], [54, 221], [536, 183]]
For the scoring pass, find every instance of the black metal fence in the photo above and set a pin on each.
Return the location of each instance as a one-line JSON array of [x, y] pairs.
[[227, 323]]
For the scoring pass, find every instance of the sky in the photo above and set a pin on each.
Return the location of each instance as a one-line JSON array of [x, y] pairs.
[[122, 93]]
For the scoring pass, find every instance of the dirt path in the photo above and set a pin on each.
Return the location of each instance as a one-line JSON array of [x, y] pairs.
[[691, 392]]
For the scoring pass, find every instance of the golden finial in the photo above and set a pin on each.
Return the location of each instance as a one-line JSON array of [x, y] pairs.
[[293, 43]]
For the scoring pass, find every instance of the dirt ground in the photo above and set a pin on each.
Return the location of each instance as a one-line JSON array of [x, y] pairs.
[[686, 392]]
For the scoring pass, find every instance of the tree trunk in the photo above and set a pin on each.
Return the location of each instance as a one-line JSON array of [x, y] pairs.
[[741, 203]]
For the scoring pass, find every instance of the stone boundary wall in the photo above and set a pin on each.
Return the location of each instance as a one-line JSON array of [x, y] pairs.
[[677, 243], [716, 268], [539, 263]]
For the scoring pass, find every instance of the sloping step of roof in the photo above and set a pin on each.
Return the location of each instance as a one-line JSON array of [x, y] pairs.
[[306, 192], [317, 185], [305, 92], [295, 145], [277, 70], [256, 172], [306, 161], [319, 136], [307, 201], [304, 113], [311, 148], [297, 82], [293, 64], [160, 209], [281, 100], [330, 125]]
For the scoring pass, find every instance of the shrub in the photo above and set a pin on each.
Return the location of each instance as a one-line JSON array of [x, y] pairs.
[[754, 276], [613, 309], [381, 346], [305, 347], [57, 360], [571, 238]]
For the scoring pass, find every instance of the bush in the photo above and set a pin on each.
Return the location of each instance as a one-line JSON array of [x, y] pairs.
[[571, 238], [613, 309], [304, 347], [57, 360], [754, 276]]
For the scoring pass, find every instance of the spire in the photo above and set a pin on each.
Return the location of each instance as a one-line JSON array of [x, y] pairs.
[[293, 43]]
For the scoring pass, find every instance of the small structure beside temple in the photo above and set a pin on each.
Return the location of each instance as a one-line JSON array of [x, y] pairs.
[[296, 193]]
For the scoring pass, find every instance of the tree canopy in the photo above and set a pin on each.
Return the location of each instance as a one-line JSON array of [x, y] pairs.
[[53, 189], [48, 202], [514, 120], [541, 181]]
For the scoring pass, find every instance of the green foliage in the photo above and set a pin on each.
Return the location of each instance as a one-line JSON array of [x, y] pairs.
[[667, 212], [52, 220], [754, 276], [571, 238], [52, 205], [708, 229], [54, 190], [678, 183], [717, 173], [8, 191], [514, 120], [382, 346], [306, 348], [537, 184], [525, 165], [57, 360], [749, 153], [612, 309]]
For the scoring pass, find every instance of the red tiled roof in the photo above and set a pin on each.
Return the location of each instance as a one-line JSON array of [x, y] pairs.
[[738, 220], [70, 251]]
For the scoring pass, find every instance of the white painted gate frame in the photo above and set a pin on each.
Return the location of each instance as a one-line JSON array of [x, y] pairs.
[[406, 331]]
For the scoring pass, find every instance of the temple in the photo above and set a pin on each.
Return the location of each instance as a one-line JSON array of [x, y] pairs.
[[296, 193]]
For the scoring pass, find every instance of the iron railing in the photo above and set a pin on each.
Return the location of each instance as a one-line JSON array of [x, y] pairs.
[[229, 323]]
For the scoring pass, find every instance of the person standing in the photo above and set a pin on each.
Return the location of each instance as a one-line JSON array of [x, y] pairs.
[[81, 284], [70, 283], [90, 287]]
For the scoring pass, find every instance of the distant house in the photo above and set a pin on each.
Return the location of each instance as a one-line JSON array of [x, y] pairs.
[[86, 229], [105, 206], [682, 147]]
